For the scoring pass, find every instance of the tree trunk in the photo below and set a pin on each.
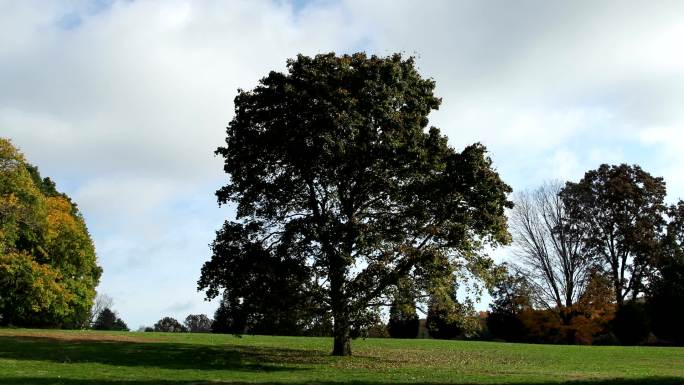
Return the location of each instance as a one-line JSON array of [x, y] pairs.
[[618, 293], [338, 301], [342, 338]]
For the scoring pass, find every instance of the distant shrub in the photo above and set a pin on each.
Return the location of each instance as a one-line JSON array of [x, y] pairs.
[[107, 320], [170, 325], [198, 323]]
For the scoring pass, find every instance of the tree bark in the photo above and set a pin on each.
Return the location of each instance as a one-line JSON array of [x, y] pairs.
[[342, 338], [340, 307]]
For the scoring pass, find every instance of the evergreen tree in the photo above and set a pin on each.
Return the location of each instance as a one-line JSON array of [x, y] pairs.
[[403, 318], [444, 318], [108, 320]]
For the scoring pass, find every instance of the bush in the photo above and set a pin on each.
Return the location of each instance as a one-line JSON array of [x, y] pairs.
[[630, 324], [170, 325], [506, 326], [665, 304]]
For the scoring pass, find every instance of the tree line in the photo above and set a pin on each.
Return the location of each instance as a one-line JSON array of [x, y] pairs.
[[347, 201], [599, 260]]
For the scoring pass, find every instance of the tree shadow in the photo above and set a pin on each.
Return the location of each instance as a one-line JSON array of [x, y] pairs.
[[161, 355], [62, 381], [183, 356]]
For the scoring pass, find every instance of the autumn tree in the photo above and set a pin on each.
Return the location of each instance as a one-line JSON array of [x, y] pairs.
[[332, 166], [48, 267], [621, 211]]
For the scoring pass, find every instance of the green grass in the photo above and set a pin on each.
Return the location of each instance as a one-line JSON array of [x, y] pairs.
[[76, 357]]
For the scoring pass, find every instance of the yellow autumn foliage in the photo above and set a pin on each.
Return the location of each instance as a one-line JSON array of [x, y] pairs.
[[48, 265]]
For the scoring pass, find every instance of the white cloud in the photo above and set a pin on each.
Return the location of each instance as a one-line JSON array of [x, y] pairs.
[[669, 141]]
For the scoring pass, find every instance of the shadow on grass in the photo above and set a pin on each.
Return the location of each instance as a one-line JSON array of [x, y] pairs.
[[181, 356], [158, 354], [60, 381]]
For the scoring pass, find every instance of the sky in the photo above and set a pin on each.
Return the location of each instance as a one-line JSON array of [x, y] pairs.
[[123, 103]]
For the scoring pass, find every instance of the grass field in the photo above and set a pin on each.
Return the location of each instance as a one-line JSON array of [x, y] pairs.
[[77, 357]]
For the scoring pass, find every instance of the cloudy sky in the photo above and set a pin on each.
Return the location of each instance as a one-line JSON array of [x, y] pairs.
[[122, 103]]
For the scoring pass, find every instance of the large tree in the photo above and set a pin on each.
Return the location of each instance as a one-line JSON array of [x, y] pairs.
[[48, 266], [621, 210], [332, 165], [549, 247]]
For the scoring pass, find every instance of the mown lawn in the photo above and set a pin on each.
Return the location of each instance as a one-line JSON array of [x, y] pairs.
[[77, 357]]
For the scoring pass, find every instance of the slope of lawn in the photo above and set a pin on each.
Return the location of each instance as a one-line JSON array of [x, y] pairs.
[[88, 357]]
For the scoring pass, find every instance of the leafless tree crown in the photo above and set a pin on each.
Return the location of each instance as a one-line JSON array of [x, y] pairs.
[[548, 249]]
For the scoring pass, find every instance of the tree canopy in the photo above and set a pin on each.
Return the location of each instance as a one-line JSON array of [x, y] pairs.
[[169, 325], [48, 266], [334, 169], [622, 212], [198, 323]]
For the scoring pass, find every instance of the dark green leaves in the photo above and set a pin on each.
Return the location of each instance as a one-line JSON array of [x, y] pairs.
[[334, 162]]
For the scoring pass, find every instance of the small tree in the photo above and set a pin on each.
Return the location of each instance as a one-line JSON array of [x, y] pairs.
[[108, 320], [169, 325], [511, 296], [101, 302], [198, 323], [403, 318], [444, 317]]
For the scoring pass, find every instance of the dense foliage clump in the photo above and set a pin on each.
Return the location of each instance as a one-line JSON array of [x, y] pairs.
[[48, 266], [169, 325], [108, 320], [403, 318]]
